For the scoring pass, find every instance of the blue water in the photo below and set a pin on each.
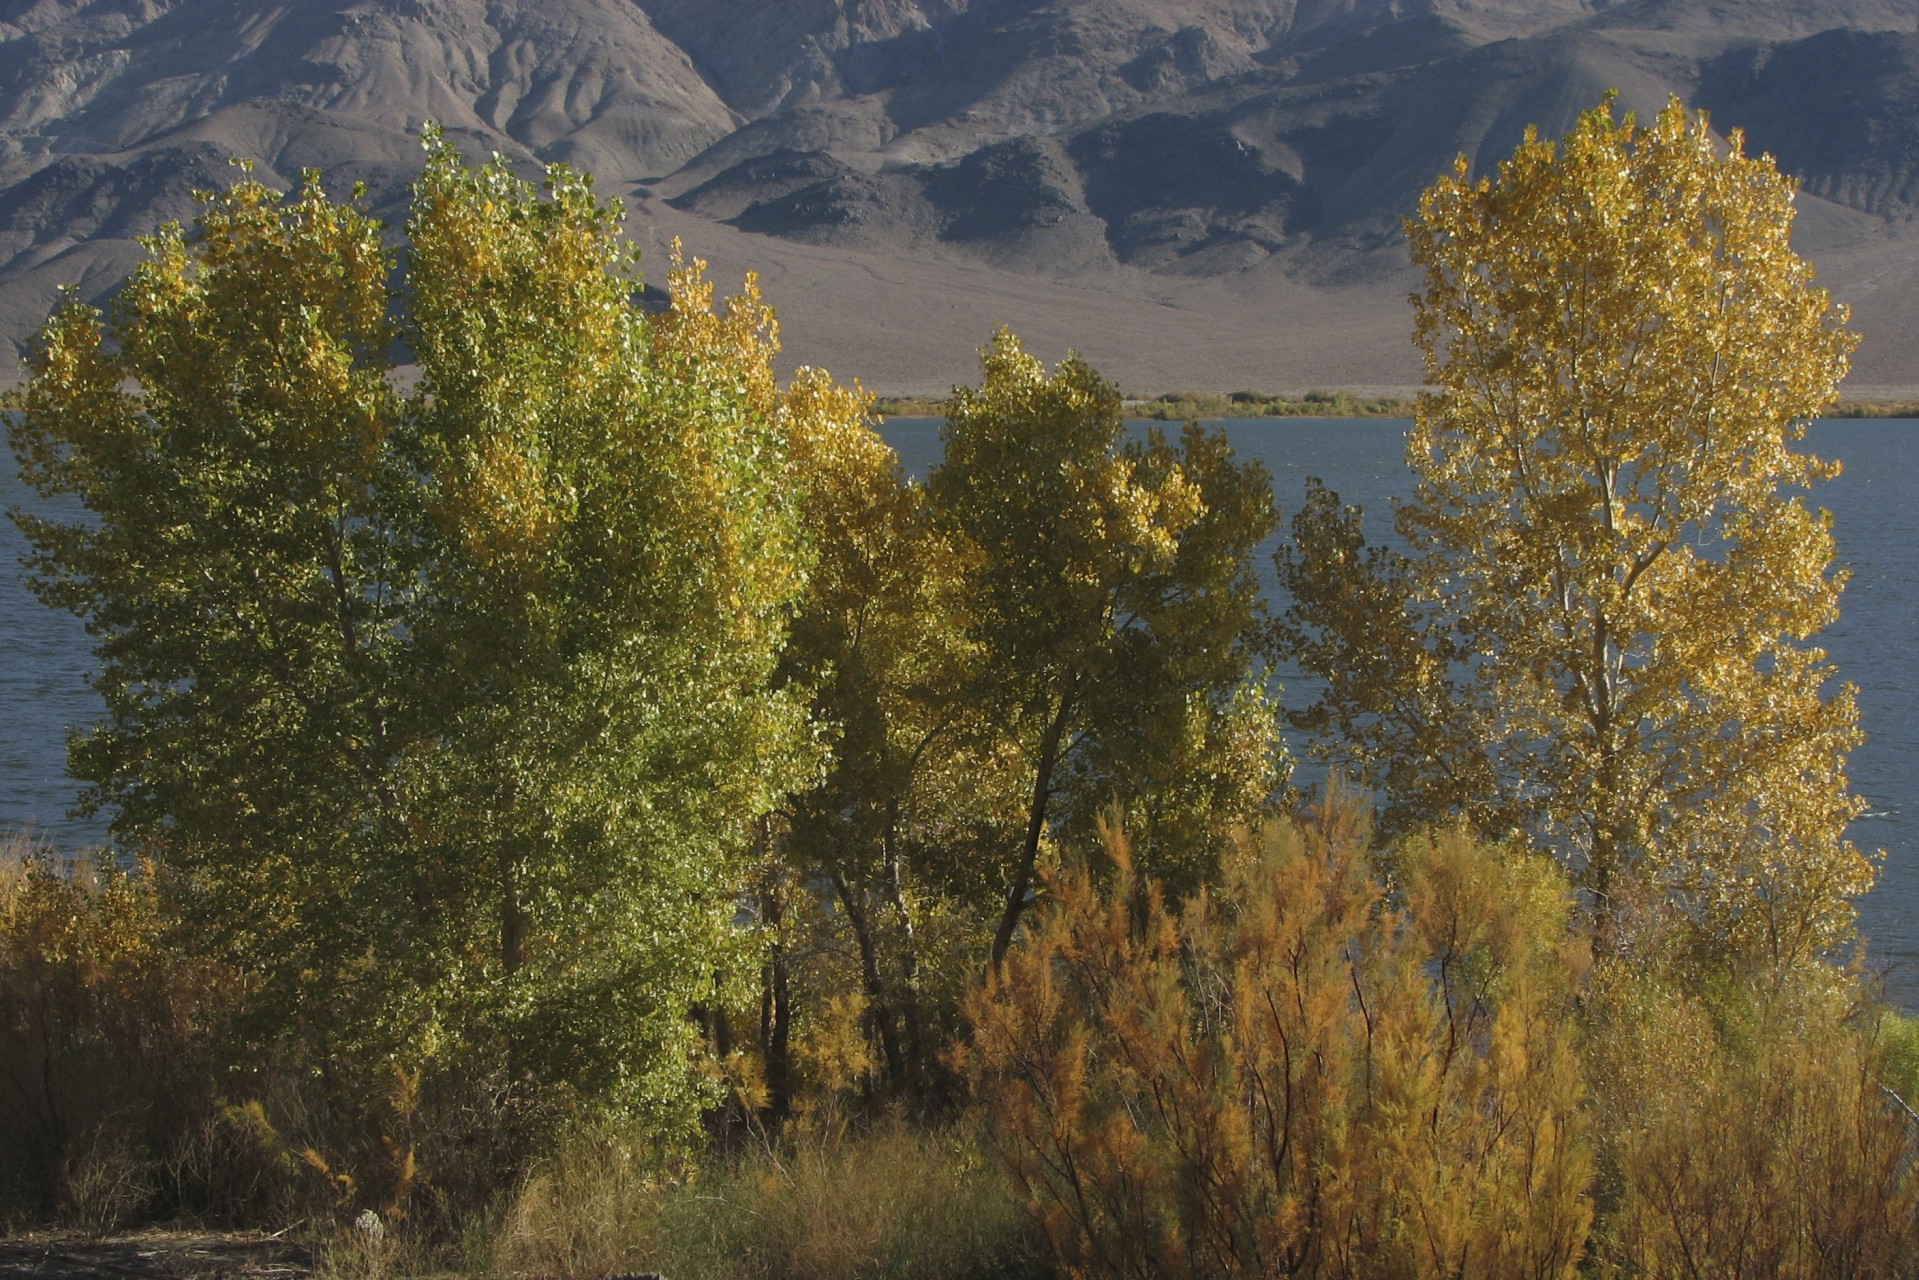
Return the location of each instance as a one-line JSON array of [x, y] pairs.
[[1875, 506], [45, 656], [44, 661]]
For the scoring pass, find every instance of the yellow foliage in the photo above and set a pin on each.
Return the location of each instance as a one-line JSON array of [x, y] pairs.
[[1623, 349], [742, 336], [1598, 634], [834, 1047]]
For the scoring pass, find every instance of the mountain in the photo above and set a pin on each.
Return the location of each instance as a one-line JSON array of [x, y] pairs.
[[1197, 193]]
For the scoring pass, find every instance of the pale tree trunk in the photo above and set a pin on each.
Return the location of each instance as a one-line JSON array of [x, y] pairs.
[[776, 1003], [914, 1048]]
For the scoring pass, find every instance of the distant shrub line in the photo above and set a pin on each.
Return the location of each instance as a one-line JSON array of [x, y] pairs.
[[1180, 406], [1177, 406]]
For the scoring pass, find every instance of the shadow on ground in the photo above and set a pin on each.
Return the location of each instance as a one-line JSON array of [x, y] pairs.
[[155, 1256]]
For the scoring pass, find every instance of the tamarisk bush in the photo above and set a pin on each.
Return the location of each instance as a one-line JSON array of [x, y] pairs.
[[1315, 1070], [1748, 1131]]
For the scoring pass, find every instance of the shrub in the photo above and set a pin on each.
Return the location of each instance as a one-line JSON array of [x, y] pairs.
[[1745, 1128], [1303, 1073], [102, 1064], [120, 1097]]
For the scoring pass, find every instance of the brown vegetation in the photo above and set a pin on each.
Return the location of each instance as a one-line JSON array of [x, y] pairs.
[[1337, 1063], [1332, 1068], [1300, 1074]]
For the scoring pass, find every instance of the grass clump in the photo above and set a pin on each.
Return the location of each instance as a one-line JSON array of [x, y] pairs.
[[885, 1200]]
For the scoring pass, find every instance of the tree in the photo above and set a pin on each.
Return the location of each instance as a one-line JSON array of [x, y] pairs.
[[1599, 627], [447, 712], [1111, 610], [878, 640], [237, 570]]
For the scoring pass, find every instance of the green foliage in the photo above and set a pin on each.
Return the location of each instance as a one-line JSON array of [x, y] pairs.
[[1109, 602], [611, 558], [1599, 633], [1184, 406], [446, 713], [232, 573], [1899, 1054], [1305, 1074], [1059, 621]]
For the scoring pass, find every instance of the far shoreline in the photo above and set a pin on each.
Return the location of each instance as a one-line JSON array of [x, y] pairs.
[[1181, 406]]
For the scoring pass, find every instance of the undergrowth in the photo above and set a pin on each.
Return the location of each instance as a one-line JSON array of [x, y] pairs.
[[887, 1199]]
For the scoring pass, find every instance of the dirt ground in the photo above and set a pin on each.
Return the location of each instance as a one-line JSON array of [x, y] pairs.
[[154, 1255]]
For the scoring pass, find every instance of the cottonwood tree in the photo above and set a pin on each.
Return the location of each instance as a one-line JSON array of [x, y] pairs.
[[612, 556], [878, 641], [445, 713], [231, 433], [1108, 597], [1600, 627]]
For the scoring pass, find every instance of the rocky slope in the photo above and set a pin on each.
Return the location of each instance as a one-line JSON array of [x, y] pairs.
[[1197, 192]]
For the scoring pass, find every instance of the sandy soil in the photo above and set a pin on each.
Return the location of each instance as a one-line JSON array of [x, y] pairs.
[[911, 326]]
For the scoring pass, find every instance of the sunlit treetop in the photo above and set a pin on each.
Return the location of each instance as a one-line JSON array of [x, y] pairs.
[[1599, 630]]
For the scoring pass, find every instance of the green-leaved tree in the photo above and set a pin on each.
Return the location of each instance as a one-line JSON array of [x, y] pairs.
[[1108, 595], [445, 713]]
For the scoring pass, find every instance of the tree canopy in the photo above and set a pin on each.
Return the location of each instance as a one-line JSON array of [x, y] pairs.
[[1108, 591], [444, 712], [1599, 629]]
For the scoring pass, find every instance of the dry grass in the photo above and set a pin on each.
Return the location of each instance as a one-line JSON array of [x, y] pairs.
[[888, 1201]]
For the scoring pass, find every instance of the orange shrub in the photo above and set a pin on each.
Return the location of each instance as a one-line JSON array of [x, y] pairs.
[[1305, 1073]]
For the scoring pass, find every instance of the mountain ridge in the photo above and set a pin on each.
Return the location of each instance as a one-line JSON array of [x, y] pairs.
[[1220, 179]]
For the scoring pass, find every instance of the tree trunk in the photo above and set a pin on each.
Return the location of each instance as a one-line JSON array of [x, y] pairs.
[[876, 1004], [1022, 880], [914, 1046], [513, 921], [776, 1013]]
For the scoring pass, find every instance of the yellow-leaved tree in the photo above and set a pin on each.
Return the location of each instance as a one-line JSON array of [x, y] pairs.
[[1599, 628], [891, 828]]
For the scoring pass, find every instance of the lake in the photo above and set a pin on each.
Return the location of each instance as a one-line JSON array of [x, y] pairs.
[[1875, 506], [45, 656]]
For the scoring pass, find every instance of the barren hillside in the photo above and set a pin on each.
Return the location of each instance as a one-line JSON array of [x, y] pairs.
[[1197, 193]]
